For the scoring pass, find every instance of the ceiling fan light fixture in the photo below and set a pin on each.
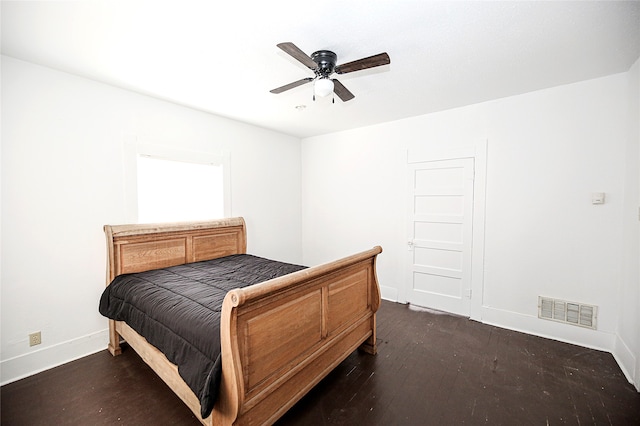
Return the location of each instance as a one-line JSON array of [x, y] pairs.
[[323, 87]]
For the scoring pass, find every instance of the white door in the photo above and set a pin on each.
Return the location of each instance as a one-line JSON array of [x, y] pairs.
[[440, 234]]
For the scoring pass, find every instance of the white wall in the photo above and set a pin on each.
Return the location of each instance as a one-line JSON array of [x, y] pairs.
[[63, 148], [627, 348], [547, 152]]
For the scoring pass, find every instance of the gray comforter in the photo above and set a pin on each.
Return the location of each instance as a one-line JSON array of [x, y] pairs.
[[178, 309]]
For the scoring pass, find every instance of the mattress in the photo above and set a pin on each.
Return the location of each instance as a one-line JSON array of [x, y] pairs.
[[178, 311]]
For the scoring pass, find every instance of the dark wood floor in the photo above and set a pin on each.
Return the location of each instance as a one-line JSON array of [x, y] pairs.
[[431, 369]]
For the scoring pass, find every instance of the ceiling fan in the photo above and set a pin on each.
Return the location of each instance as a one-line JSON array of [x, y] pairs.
[[323, 64]]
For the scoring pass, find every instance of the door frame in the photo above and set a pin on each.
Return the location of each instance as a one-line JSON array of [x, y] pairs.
[[477, 151]]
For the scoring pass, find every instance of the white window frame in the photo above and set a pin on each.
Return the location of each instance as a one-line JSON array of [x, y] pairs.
[[133, 149]]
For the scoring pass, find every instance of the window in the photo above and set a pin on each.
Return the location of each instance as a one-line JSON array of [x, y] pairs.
[[175, 186]]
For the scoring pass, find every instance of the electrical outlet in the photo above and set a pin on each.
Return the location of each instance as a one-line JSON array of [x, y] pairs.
[[35, 338]]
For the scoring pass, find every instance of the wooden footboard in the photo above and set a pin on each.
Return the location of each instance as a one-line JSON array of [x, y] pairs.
[[279, 338]]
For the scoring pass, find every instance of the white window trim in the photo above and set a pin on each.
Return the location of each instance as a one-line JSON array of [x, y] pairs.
[[133, 148]]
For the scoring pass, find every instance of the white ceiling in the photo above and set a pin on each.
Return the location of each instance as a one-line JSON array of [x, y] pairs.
[[221, 57]]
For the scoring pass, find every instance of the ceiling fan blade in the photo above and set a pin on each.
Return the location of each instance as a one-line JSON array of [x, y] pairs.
[[342, 92], [364, 63], [291, 85], [298, 54]]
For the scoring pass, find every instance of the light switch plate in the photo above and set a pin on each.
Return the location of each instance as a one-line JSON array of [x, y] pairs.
[[597, 198]]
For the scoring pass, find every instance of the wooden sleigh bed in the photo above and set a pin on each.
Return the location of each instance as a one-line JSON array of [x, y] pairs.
[[309, 320]]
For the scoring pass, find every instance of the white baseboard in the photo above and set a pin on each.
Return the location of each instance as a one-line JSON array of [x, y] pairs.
[[594, 339], [389, 293], [626, 360], [22, 366]]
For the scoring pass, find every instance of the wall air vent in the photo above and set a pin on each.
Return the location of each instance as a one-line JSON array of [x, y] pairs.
[[567, 312]]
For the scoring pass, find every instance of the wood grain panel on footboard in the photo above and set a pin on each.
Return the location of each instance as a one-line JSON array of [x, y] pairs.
[[276, 338], [348, 299]]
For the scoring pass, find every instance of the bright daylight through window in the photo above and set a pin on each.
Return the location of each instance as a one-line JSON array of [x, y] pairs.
[[175, 191]]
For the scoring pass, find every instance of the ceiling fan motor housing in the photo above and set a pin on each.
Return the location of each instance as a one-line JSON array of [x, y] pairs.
[[326, 61]]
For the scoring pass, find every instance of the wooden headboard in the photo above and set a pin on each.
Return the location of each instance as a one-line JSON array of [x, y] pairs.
[[137, 248]]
